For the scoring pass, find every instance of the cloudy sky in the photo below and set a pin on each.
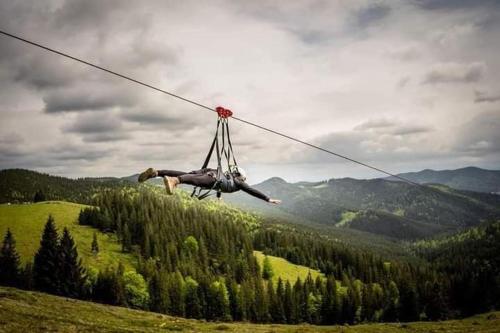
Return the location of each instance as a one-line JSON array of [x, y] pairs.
[[404, 85]]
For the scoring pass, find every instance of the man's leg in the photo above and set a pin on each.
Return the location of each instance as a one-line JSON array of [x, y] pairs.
[[152, 173], [201, 180], [169, 173]]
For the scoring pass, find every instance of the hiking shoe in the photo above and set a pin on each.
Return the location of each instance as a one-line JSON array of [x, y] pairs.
[[170, 184], [149, 173]]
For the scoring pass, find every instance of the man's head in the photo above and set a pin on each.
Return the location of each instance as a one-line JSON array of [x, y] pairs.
[[238, 172]]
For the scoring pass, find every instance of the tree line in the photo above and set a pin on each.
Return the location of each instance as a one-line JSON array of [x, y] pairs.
[[191, 253], [57, 269], [196, 260]]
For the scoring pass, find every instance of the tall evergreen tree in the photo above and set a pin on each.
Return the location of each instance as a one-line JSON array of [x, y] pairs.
[[46, 264], [95, 245], [267, 269], [126, 239], [71, 271], [39, 196], [193, 306], [27, 281], [9, 261]]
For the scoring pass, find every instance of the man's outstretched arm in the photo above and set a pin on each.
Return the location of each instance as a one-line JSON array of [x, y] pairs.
[[256, 193]]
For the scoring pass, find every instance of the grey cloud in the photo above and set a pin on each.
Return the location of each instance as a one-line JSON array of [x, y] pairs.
[[98, 128], [76, 152], [480, 136], [78, 155], [334, 49], [408, 130], [454, 72], [93, 125], [375, 124], [455, 4], [106, 137], [389, 127], [165, 118], [405, 53], [482, 97], [91, 97], [371, 14], [403, 82], [88, 14], [12, 138]]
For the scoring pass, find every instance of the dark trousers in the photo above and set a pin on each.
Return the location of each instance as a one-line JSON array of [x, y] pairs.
[[203, 178]]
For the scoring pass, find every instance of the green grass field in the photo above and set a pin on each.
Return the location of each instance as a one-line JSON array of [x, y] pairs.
[[23, 311], [26, 221], [285, 269]]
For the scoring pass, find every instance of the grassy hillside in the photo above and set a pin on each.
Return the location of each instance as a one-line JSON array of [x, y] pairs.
[[22, 311], [26, 221], [286, 270]]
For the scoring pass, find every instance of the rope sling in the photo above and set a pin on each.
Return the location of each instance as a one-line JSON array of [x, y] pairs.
[[224, 150]]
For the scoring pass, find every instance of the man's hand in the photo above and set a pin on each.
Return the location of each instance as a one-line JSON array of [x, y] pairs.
[[274, 201]]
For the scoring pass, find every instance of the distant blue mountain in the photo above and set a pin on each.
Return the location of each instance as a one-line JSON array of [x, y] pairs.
[[470, 178]]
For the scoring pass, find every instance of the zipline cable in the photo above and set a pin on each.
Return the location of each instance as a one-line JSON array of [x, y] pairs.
[[208, 108]]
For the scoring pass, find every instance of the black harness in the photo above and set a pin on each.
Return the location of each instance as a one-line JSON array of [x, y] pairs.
[[225, 182]]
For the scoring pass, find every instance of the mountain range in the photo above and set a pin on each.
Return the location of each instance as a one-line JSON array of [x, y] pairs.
[[469, 178], [383, 207]]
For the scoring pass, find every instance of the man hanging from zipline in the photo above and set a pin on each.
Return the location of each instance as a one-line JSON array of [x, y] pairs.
[[206, 178]]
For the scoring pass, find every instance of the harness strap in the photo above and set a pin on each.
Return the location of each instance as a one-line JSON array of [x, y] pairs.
[[222, 151]]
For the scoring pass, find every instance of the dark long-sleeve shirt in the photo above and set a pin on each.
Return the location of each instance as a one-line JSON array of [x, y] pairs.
[[250, 190]]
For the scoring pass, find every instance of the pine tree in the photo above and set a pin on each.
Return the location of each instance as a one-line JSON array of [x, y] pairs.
[[391, 312], [218, 302], [9, 261], [329, 307], [39, 196], [279, 312], [27, 281], [126, 239], [267, 269], [193, 306], [46, 264], [409, 302], [95, 245], [290, 305], [71, 272]]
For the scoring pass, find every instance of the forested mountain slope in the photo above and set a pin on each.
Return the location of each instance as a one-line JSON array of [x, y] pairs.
[[196, 259], [379, 206], [471, 259], [19, 185], [470, 178]]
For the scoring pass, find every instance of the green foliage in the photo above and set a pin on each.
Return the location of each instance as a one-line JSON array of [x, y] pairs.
[[9, 261], [18, 185], [388, 208], [22, 311], [71, 274], [39, 196], [46, 264], [136, 290], [26, 221], [95, 245], [471, 261], [191, 245], [267, 269]]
